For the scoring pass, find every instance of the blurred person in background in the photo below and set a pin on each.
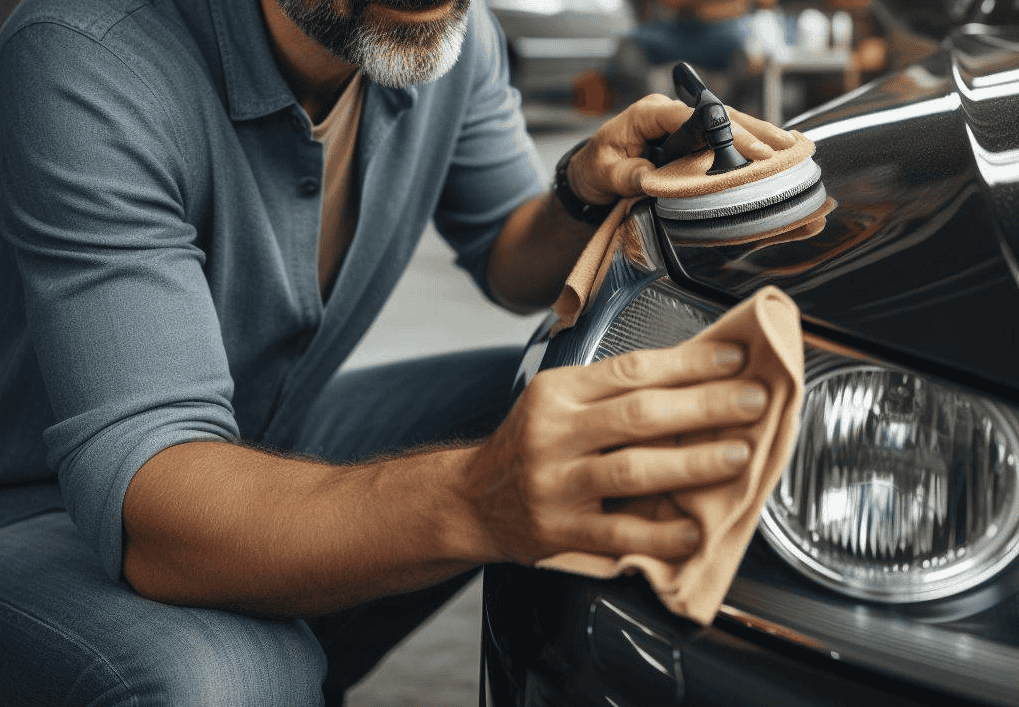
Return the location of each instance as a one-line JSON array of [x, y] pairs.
[[705, 33], [721, 39]]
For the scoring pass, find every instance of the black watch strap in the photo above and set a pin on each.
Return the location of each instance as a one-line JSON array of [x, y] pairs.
[[574, 205]]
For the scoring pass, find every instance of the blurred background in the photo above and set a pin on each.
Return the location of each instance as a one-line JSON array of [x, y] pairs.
[[768, 58], [577, 63]]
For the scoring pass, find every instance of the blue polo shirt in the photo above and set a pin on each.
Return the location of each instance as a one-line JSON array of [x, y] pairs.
[[160, 196]]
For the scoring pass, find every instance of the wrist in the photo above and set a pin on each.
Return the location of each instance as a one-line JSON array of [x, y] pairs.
[[464, 533], [564, 187]]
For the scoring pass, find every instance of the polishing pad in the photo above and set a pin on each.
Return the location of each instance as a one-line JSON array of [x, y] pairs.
[[756, 224], [743, 197]]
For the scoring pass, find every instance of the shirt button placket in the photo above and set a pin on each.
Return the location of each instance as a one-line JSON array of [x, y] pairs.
[[309, 186]]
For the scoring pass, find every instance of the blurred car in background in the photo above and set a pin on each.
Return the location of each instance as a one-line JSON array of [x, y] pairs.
[[553, 41], [885, 570]]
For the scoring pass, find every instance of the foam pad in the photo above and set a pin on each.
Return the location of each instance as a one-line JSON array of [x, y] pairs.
[[790, 230]]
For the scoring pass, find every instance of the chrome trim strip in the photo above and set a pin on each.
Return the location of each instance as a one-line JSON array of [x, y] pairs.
[[881, 640]]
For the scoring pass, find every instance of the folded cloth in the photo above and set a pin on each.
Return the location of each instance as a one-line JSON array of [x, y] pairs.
[[596, 256], [768, 326]]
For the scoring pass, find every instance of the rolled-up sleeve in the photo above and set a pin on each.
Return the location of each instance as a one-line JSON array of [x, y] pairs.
[[495, 167], [119, 313]]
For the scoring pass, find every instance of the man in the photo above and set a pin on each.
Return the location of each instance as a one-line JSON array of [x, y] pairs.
[[205, 202]]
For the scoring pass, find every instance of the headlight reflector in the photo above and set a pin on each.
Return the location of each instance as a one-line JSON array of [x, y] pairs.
[[901, 489]]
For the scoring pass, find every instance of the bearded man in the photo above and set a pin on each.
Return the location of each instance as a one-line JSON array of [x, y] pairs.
[[204, 205]]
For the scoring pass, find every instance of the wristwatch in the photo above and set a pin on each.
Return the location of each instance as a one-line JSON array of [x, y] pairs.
[[574, 205]]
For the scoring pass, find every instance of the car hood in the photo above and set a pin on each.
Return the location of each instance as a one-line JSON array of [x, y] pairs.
[[919, 259]]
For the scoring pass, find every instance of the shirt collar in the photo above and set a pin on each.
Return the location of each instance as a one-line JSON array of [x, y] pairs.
[[254, 85]]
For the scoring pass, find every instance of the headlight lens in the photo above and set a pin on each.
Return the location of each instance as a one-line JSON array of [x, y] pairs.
[[900, 489]]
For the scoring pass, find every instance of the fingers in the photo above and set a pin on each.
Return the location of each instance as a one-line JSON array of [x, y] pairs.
[[660, 412], [641, 471], [748, 145], [610, 166], [644, 472], [624, 175], [773, 136], [621, 534], [690, 362], [649, 118]]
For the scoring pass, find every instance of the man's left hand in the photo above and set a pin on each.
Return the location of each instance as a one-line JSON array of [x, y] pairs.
[[610, 164]]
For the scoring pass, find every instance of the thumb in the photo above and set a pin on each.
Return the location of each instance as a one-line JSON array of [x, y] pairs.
[[627, 173]]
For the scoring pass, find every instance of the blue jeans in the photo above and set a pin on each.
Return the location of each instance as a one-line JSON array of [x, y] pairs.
[[71, 636]]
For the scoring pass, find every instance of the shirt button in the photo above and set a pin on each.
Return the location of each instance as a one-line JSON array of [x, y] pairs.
[[309, 186]]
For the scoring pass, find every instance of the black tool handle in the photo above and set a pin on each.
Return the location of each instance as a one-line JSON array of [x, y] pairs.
[[687, 83], [709, 126]]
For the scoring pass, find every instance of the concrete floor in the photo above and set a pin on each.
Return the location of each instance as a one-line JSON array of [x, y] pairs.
[[436, 308]]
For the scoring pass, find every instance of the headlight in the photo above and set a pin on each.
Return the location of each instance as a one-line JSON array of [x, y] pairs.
[[901, 489]]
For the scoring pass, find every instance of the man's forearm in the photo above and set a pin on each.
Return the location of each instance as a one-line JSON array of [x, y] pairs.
[[534, 254], [219, 525], [216, 524]]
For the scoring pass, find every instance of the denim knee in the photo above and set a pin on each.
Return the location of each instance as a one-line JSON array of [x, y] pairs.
[[71, 636], [267, 663], [245, 663]]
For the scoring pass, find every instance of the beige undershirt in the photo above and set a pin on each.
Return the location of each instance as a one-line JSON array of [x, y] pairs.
[[338, 135]]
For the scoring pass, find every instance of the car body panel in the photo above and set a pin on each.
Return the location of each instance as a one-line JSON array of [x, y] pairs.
[[924, 165], [916, 268]]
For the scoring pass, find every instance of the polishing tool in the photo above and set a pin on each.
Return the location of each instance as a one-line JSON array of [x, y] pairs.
[[708, 191]]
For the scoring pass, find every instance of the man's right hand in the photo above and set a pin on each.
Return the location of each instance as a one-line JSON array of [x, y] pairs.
[[580, 435]]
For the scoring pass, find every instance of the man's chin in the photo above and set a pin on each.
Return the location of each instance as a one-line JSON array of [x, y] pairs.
[[405, 68], [397, 62]]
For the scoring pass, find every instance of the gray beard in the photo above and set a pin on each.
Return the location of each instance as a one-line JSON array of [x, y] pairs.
[[392, 55]]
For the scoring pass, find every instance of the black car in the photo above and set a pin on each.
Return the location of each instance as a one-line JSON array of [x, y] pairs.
[[885, 569]]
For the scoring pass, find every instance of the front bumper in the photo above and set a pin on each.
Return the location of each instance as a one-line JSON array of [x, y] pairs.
[[554, 639]]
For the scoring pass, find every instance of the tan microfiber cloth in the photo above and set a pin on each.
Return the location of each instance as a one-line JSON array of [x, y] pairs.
[[768, 326], [688, 176], [596, 256]]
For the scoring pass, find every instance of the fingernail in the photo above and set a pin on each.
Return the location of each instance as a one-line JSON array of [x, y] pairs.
[[758, 145], [750, 398], [736, 453], [728, 356]]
